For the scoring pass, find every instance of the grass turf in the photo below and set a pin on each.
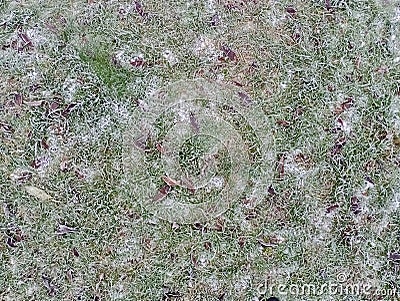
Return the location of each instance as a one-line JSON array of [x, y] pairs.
[[323, 79]]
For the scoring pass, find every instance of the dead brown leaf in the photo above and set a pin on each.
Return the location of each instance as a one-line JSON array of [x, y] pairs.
[[344, 106], [332, 208], [229, 54], [44, 144], [11, 242], [290, 10], [141, 142], [137, 62], [283, 123], [75, 252], [140, 10], [51, 289], [64, 229], [394, 256], [18, 99], [169, 181], [194, 123], [246, 99], [68, 109], [188, 184], [37, 103], [26, 40], [355, 205], [339, 144], [162, 193], [69, 276], [281, 166], [160, 148]]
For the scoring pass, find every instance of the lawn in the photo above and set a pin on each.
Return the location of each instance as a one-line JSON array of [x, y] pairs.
[[199, 150]]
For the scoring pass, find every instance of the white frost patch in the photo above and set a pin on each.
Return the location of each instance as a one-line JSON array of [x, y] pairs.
[[36, 36], [117, 292], [217, 182], [182, 114], [70, 87], [323, 223], [242, 283], [97, 129], [213, 283], [205, 47], [391, 208], [170, 57], [210, 5], [299, 168], [395, 113]]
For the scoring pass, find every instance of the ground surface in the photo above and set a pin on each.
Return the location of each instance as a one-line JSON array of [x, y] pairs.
[[285, 116]]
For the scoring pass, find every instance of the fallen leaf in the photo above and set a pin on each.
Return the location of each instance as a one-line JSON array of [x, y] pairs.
[[228, 53], [281, 166], [355, 205], [246, 99], [25, 39], [70, 276], [194, 123], [44, 144], [236, 83], [394, 256], [137, 62], [139, 9], [75, 252], [215, 20], [328, 5], [64, 229], [37, 103], [188, 184], [283, 123], [11, 242], [54, 106], [290, 10], [38, 193], [48, 285], [169, 181], [68, 109], [194, 260], [271, 190], [219, 225], [162, 193], [332, 208], [160, 148], [344, 106], [38, 162], [80, 174], [141, 142], [18, 99]]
